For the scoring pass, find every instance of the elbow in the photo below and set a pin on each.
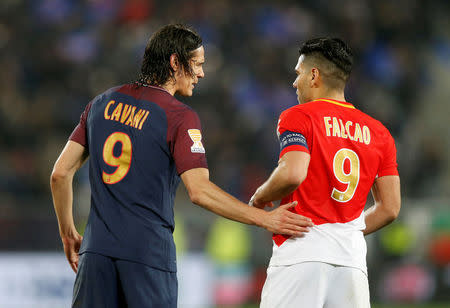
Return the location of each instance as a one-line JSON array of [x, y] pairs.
[[291, 186], [198, 187], [392, 213], [58, 176], [294, 179], [196, 196]]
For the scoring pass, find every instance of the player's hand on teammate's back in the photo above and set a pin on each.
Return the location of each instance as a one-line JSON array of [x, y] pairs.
[[72, 245], [283, 221]]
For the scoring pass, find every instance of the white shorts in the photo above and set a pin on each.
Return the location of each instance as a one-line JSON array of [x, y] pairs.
[[315, 285]]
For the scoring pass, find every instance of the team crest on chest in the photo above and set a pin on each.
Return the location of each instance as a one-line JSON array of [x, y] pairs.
[[196, 137]]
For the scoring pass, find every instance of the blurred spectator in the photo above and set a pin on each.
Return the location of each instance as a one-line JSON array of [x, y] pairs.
[[57, 54]]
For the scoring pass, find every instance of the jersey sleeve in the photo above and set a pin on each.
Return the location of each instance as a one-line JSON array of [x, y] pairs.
[[388, 164], [187, 149], [294, 131], [79, 134]]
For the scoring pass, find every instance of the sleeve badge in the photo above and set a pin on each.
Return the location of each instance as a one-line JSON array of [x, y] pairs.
[[196, 137]]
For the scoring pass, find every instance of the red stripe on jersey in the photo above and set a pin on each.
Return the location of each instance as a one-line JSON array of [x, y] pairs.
[[294, 147], [391, 171]]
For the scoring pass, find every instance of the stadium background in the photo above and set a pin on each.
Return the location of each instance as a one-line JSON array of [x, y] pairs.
[[56, 55]]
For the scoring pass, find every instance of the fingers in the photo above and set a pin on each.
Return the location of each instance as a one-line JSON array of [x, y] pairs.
[[74, 266], [293, 224], [299, 220], [295, 230], [72, 245], [296, 218], [288, 205], [288, 222], [72, 257], [73, 261]]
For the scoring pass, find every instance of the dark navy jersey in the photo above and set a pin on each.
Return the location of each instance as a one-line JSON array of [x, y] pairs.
[[140, 139]]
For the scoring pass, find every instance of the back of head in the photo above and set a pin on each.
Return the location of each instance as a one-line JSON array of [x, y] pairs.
[[171, 39], [332, 57]]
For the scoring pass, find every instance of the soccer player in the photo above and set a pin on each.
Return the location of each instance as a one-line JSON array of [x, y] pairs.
[[140, 140], [331, 156]]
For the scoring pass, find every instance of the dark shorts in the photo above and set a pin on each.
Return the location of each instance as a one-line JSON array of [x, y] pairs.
[[104, 282]]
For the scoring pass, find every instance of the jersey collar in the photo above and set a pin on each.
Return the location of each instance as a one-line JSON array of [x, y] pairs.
[[333, 101], [154, 87]]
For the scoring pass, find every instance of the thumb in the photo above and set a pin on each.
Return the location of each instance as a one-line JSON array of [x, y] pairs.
[[289, 205]]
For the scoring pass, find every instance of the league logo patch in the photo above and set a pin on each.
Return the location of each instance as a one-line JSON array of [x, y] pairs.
[[196, 137]]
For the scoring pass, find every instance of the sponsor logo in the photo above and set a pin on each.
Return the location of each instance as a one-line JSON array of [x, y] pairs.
[[196, 137]]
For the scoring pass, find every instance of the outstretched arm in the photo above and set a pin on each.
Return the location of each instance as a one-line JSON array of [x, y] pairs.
[[71, 159], [288, 175], [209, 196], [386, 193]]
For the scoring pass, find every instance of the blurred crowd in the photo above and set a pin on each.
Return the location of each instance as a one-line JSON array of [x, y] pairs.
[[56, 55]]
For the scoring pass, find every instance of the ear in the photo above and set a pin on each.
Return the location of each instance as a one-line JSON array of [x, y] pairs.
[[174, 62], [315, 77]]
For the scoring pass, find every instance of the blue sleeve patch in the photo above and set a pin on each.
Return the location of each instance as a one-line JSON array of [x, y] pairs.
[[289, 138]]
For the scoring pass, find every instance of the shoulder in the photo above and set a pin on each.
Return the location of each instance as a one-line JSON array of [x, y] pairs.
[[295, 119], [178, 112], [296, 113], [180, 107], [113, 90], [180, 116], [305, 109]]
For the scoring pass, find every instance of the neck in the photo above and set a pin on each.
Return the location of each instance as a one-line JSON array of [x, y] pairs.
[[169, 86], [331, 94]]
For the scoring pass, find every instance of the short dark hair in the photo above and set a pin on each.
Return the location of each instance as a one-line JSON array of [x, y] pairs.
[[171, 39], [334, 55]]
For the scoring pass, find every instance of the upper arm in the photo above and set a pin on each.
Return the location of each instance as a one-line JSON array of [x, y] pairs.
[[71, 159], [185, 141], [386, 192], [79, 134], [388, 165], [295, 165], [294, 131], [194, 180]]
